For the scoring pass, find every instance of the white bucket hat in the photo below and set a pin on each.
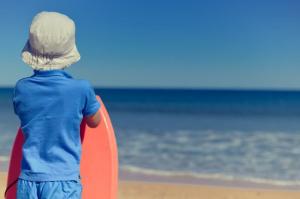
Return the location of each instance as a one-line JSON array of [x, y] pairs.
[[51, 44]]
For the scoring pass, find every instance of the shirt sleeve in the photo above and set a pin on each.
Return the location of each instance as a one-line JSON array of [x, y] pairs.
[[91, 103]]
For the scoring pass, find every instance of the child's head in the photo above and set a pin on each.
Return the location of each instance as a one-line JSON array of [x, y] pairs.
[[51, 44]]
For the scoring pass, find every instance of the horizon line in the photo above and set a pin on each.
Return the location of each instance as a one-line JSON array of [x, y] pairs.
[[186, 88]]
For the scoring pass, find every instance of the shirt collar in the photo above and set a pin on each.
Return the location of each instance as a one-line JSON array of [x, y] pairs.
[[56, 72]]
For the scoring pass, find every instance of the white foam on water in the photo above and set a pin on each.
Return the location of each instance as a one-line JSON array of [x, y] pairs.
[[4, 158], [258, 156]]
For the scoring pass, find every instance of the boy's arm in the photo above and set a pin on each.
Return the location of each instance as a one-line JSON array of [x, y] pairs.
[[93, 120], [91, 109]]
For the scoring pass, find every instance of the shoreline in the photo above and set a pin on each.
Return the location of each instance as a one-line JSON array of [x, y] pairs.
[[150, 176], [151, 190], [131, 189]]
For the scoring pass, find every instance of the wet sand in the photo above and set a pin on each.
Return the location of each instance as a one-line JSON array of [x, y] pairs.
[[152, 190]]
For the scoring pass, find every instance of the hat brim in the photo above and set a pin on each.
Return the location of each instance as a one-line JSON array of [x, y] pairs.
[[47, 62]]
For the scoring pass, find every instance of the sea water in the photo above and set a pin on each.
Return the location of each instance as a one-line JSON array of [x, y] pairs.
[[250, 135]]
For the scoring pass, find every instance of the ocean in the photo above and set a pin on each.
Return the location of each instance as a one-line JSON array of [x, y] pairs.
[[247, 135]]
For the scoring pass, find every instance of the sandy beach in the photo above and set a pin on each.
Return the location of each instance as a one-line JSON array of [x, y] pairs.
[[2, 184], [144, 190]]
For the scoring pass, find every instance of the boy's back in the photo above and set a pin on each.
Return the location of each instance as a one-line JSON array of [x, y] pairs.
[[51, 105]]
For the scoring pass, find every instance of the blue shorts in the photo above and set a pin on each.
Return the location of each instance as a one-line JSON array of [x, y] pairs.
[[70, 189]]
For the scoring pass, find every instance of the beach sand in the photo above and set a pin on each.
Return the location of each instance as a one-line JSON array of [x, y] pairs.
[[132, 190], [2, 184], [144, 190]]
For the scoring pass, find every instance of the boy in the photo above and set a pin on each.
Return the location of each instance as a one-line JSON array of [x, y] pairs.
[[50, 105]]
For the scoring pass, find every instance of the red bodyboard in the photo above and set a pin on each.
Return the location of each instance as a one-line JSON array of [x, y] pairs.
[[99, 160]]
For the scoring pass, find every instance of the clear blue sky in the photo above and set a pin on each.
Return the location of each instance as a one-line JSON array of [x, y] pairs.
[[168, 43]]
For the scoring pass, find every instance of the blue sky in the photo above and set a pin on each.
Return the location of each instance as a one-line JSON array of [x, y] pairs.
[[170, 43]]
